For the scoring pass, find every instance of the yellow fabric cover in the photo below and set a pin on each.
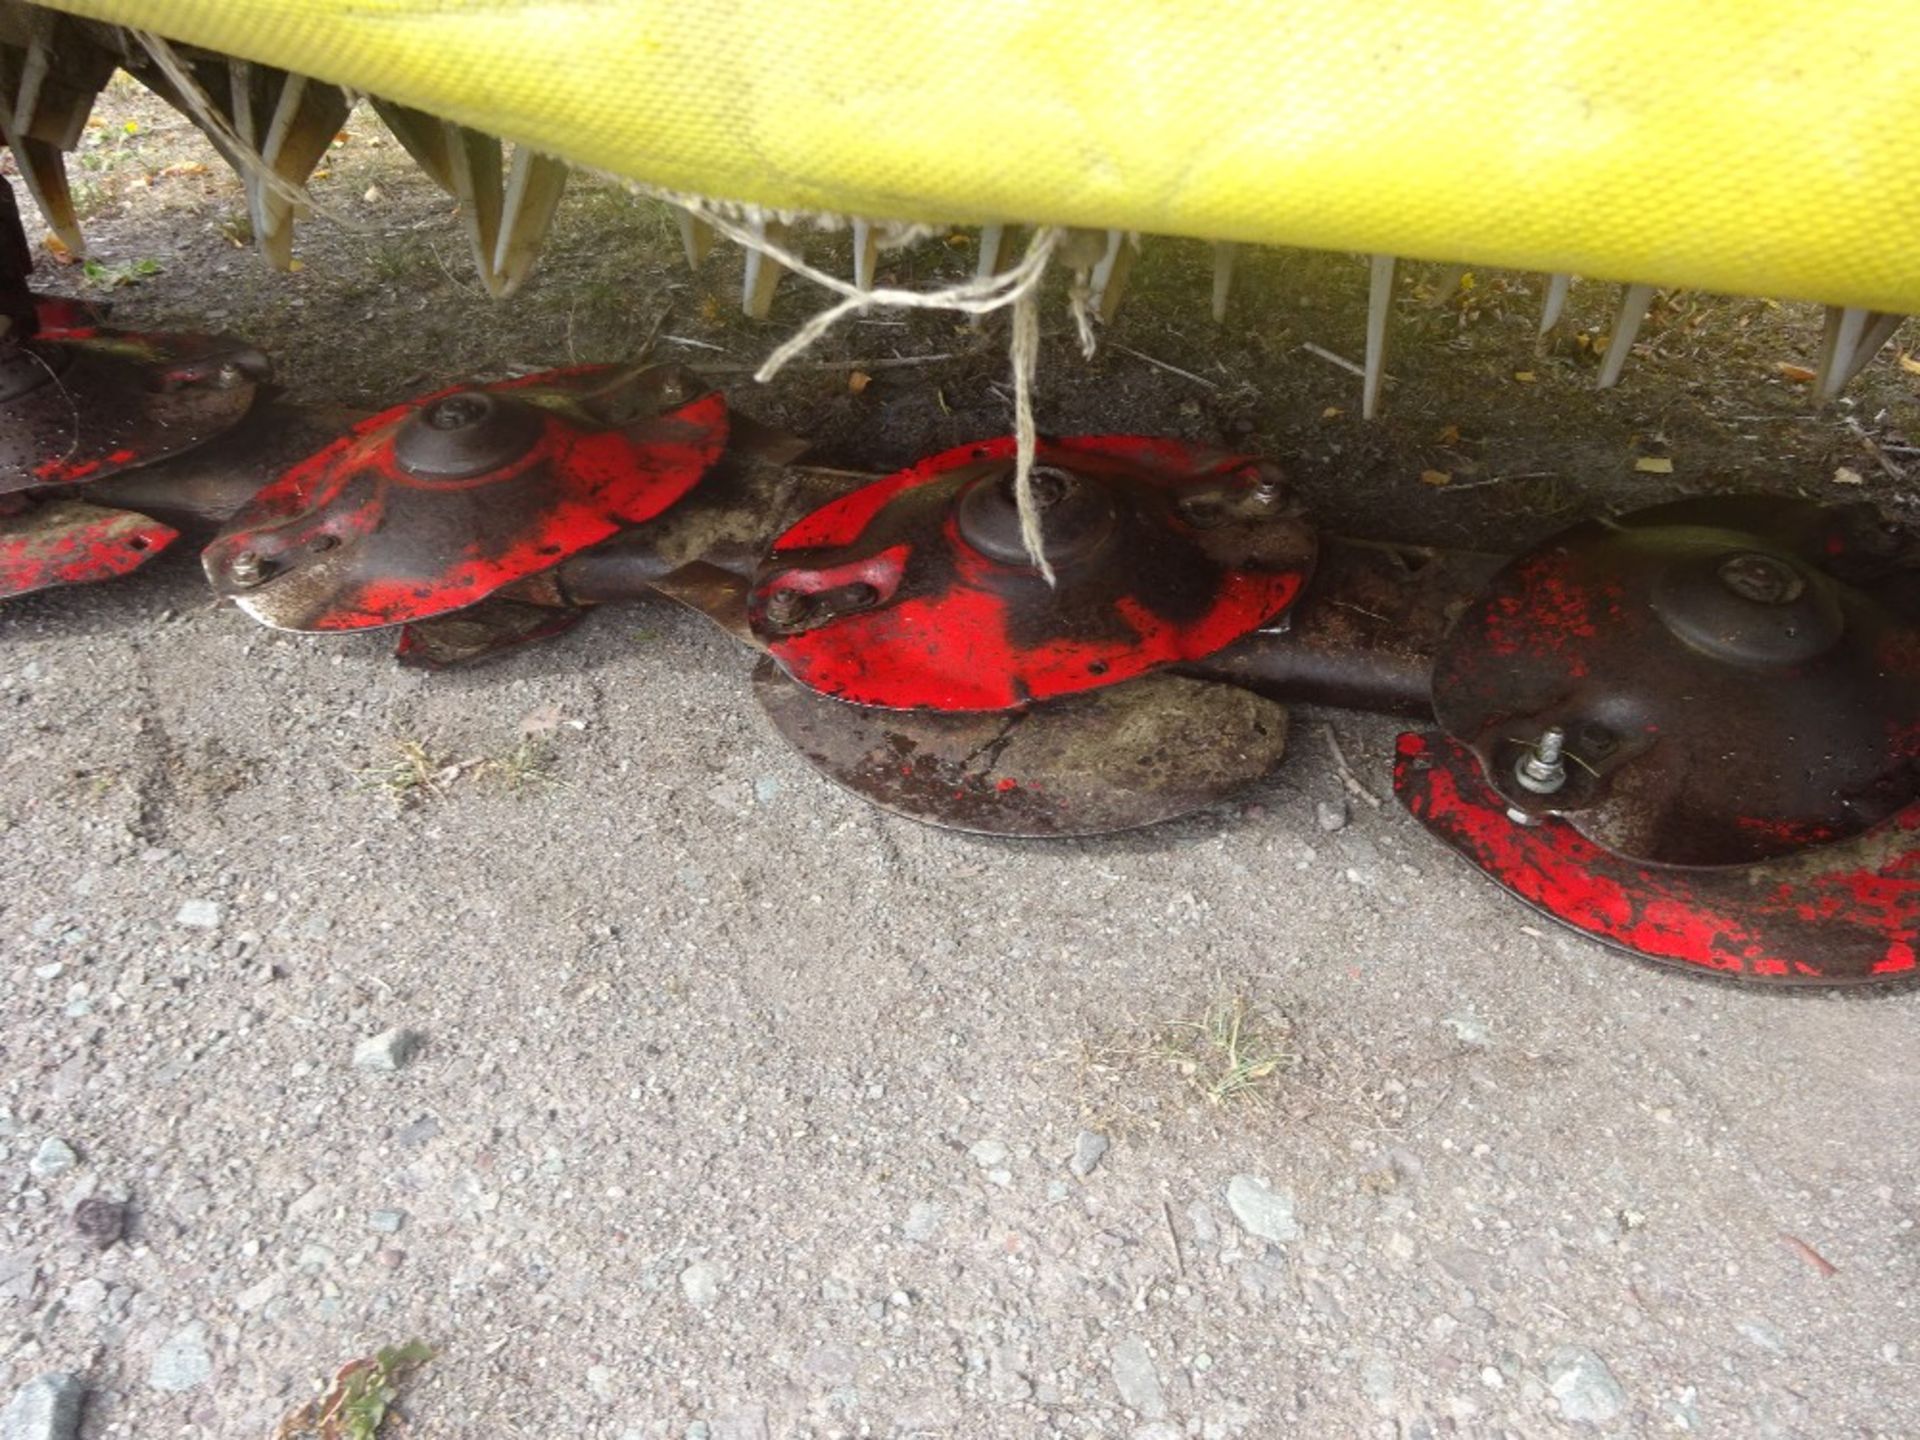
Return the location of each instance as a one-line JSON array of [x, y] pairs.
[[1766, 147]]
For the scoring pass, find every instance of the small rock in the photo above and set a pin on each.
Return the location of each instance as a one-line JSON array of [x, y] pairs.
[[989, 1154], [100, 1220], [46, 1408], [1332, 815], [54, 1157], [183, 1362], [701, 1284], [1584, 1386], [1089, 1147], [1468, 1028], [1136, 1379], [391, 1258], [199, 915], [419, 1132], [387, 1222], [923, 1221], [387, 1051], [1763, 1335], [1262, 1211]]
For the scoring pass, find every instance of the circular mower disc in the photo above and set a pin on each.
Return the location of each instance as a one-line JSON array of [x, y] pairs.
[[1115, 759], [1732, 679], [433, 505], [916, 593], [83, 403]]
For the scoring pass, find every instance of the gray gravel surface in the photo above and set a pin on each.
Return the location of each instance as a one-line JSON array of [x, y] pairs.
[[741, 1109]]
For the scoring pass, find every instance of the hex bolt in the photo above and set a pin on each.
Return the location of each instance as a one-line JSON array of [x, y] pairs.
[[787, 607], [459, 410], [247, 568], [1763, 579], [1543, 769]]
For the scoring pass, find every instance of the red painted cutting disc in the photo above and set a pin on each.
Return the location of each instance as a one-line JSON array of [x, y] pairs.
[[1837, 915], [914, 592], [82, 402], [433, 505], [67, 542]]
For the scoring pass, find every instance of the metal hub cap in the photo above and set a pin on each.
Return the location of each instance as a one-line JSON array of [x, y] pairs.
[[466, 433], [916, 593], [1715, 682]]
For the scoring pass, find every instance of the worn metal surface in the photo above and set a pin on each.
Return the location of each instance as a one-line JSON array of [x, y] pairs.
[[83, 403], [351, 539], [1364, 633], [1736, 678], [1114, 759], [495, 626], [1839, 915], [62, 541], [906, 593]]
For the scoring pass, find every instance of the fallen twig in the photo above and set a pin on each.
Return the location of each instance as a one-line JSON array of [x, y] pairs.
[[1812, 1256], [892, 362], [1352, 781], [1333, 359], [1495, 480], [1163, 365]]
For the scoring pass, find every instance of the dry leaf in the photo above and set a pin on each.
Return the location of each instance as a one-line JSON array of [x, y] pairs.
[[1435, 478], [858, 381], [1799, 374], [1332, 412], [1449, 435], [1525, 377], [180, 168], [57, 250], [1654, 465], [1845, 476], [1909, 364]]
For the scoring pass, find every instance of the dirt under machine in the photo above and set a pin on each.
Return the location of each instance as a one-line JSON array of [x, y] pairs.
[[1690, 730]]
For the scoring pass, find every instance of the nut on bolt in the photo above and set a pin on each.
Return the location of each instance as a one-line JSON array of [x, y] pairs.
[[788, 607], [1543, 769], [247, 568]]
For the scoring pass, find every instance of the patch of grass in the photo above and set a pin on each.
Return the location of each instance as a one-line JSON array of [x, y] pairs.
[[418, 772], [355, 1406], [415, 774], [529, 765], [112, 277], [1231, 1053]]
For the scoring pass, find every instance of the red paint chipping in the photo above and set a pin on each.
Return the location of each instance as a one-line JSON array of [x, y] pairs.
[[1843, 915]]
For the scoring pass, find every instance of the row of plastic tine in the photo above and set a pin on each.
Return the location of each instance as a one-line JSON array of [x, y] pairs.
[[274, 128], [507, 204]]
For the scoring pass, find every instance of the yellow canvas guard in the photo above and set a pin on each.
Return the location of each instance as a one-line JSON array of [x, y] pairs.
[[1767, 147]]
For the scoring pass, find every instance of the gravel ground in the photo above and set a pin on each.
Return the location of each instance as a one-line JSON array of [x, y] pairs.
[[724, 1106], [739, 1105]]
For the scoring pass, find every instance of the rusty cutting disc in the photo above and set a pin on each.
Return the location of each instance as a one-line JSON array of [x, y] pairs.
[[916, 592], [1115, 759], [431, 506], [1731, 680], [84, 402], [60, 541]]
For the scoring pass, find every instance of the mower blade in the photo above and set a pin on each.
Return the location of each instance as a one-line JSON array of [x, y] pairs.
[[435, 504], [1116, 759], [494, 627], [1836, 915], [916, 592], [82, 404], [69, 542]]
